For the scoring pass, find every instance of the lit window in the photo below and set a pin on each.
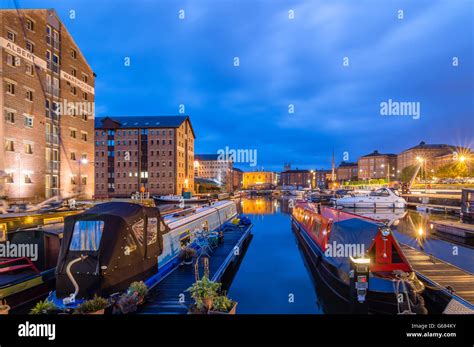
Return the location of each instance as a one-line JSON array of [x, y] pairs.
[[9, 145], [28, 148]]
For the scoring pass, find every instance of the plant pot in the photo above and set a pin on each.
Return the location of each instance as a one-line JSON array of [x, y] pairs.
[[96, 312], [231, 311], [5, 310]]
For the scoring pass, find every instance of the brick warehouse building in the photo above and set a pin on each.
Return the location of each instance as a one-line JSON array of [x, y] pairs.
[[43, 142], [156, 153]]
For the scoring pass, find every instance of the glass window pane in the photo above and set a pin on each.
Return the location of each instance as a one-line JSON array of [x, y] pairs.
[[86, 235]]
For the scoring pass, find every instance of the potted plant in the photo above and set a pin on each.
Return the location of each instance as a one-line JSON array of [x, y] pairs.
[[223, 305], [187, 255], [96, 305], [139, 289], [44, 307], [4, 308], [127, 303], [203, 292]]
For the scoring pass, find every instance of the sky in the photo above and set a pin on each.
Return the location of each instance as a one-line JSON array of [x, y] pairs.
[[293, 98]]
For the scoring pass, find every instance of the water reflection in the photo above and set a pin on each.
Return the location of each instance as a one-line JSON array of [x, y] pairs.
[[272, 277]]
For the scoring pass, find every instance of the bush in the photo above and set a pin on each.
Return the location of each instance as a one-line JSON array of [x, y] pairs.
[[93, 305], [44, 307]]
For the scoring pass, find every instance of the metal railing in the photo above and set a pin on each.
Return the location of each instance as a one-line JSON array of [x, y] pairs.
[[52, 165], [52, 42]]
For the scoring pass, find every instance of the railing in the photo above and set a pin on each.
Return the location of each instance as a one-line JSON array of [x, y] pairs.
[[51, 138]]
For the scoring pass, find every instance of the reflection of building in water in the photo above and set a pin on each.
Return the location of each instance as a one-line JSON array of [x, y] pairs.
[[259, 206]]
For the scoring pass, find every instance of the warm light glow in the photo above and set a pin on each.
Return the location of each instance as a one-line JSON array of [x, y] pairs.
[[84, 161], [196, 164], [420, 231], [462, 159]]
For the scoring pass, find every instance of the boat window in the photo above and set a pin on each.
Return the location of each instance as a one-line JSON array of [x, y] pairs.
[[380, 192], [86, 235], [138, 229], [151, 231]]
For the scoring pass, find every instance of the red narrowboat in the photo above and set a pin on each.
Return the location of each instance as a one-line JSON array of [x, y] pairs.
[[356, 261]]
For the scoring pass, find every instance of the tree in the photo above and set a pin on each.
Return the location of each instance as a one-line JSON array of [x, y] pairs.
[[407, 173]]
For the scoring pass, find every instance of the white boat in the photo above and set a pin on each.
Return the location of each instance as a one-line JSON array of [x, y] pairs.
[[389, 217], [380, 198]]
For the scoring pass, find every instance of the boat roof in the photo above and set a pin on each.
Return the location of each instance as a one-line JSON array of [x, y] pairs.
[[174, 221]]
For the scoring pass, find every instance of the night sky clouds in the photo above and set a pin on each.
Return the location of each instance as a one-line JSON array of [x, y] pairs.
[[284, 62]]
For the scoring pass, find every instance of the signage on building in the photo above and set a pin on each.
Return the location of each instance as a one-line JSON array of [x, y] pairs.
[[23, 53], [77, 82]]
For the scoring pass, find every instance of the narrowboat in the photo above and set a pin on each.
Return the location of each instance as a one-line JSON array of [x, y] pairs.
[[113, 244], [178, 199], [338, 245], [27, 262]]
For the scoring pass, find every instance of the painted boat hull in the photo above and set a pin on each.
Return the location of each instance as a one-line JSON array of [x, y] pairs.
[[336, 289]]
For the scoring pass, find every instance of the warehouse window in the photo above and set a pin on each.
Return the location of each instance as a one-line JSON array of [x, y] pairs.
[[11, 36]]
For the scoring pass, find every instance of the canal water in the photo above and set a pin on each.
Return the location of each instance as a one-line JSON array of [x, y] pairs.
[[273, 278]]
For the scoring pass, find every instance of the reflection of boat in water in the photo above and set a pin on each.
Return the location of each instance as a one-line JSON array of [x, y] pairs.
[[390, 217], [113, 244], [178, 199], [380, 198], [379, 276]]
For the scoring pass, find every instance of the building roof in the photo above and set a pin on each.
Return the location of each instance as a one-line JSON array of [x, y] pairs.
[[296, 171], [377, 154], [237, 169], [134, 122], [424, 145], [206, 157], [346, 164]]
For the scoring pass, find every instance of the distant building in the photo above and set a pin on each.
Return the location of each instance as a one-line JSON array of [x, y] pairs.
[[237, 178], [212, 167], [153, 153], [259, 180], [347, 171], [296, 178], [322, 178], [433, 155], [377, 165]]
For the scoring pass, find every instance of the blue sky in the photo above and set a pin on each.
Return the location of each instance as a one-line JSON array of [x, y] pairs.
[[284, 61]]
